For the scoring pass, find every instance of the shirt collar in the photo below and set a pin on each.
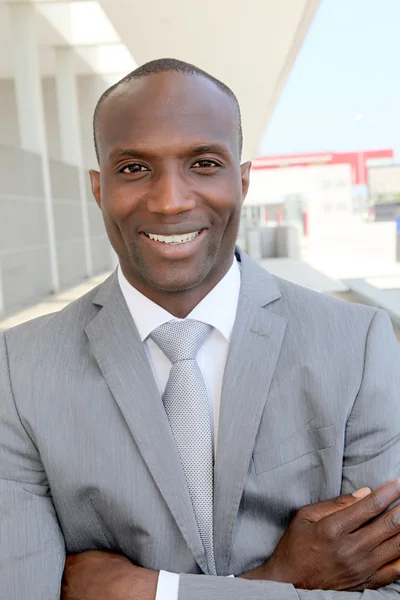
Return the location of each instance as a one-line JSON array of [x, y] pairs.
[[218, 308]]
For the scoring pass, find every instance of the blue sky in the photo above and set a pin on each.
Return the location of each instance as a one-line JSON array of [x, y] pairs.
[[344, 90]]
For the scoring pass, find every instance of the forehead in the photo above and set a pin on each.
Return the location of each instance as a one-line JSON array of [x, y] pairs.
[[167, 110]]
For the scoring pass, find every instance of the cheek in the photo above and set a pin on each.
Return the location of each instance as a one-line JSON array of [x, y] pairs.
[[116, 206], [118, 201], [228, 207], [224, 195], [231, 191]]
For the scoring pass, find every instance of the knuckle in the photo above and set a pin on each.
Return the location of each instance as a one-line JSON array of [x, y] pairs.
[[396, 548], [328, 531], [305, 513], [343, 555], [392, 520], [341, 501], [377, 503]]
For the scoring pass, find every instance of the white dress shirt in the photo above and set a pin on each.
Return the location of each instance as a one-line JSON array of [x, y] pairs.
[[218, 309]]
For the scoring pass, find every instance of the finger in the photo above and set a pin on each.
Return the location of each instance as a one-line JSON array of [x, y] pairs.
[[381, 535], [387, 552], [359, 513], [384, 576], [315, 512]]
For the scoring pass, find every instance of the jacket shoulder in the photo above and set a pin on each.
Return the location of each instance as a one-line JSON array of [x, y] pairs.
[[64, 323], [310, 306]]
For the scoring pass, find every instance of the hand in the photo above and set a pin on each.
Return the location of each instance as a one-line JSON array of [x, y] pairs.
[[334, 545], [106, 576]]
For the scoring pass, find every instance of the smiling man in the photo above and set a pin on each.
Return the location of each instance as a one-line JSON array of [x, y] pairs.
[[195, 427], [171, 186]]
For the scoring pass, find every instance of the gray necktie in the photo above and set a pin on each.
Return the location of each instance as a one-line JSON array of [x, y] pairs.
[[188, 410]]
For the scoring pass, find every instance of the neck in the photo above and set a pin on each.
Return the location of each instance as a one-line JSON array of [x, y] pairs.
[[180, 304]]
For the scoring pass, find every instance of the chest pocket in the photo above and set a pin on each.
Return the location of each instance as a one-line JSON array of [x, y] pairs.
[[295, 447]]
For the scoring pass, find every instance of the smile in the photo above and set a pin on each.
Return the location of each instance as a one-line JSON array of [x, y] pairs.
[[184, 238]]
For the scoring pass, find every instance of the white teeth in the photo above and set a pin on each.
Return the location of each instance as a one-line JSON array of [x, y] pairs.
[[174, 239]]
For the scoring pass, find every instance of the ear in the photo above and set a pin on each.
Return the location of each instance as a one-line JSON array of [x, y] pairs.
[[245, 171], [95, 185]]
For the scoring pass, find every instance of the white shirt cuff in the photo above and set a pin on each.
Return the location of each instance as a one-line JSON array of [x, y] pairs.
[[167, 586]]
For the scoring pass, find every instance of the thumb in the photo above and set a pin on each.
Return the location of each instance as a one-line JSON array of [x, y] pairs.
[[315, 512]]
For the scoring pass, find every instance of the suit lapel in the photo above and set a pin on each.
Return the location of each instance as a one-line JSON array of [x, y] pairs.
[[255, 346], [121, 356]]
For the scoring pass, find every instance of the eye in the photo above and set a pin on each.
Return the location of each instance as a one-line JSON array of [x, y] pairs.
[[134, 168], [205, 163]]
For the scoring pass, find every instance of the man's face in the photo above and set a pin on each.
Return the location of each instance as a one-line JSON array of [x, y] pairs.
[[170, 185]]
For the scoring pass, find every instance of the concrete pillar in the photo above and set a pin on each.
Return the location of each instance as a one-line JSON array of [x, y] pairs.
[[28, 85], [70, 133]]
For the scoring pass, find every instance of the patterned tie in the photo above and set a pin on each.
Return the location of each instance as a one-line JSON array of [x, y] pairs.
[[187, 406]]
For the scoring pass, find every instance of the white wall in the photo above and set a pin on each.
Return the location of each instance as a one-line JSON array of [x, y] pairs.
[[90, 87], [9, 128], [268, 186]]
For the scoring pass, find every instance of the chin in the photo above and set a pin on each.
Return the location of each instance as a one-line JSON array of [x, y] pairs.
[[175, 285]]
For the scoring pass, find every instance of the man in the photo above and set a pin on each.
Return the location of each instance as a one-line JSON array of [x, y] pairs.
[[194, 417]]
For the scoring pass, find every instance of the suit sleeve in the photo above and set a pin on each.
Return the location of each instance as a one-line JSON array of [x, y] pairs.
[[32, 551], [371, 457], [372, 442]]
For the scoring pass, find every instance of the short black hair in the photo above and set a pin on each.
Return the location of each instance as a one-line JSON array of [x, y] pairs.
[[164, 65]]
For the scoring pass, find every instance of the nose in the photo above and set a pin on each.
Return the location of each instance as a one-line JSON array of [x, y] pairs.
[[170, 195]]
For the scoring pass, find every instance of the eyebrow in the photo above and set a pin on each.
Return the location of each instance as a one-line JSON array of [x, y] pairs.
[[208, 148], [119, 153], [128, 153]]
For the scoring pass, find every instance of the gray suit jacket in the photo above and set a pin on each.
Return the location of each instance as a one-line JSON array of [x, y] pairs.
[[310, 408]]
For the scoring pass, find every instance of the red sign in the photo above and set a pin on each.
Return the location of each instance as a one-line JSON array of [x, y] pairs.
[[358, 161]]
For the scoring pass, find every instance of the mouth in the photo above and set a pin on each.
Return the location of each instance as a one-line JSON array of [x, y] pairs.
[[183, 238], [177, 246]]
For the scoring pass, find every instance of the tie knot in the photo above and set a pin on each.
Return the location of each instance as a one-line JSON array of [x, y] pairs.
[[181, 340]]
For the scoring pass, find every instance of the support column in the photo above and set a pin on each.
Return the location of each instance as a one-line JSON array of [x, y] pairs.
[[71, 143], [28, 85]]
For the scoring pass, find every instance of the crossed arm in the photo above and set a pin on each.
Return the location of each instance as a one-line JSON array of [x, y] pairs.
[[343, 549], [344, 544]]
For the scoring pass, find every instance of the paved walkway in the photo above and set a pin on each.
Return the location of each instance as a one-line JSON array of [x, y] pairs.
[[52, 303], [302, 273]]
